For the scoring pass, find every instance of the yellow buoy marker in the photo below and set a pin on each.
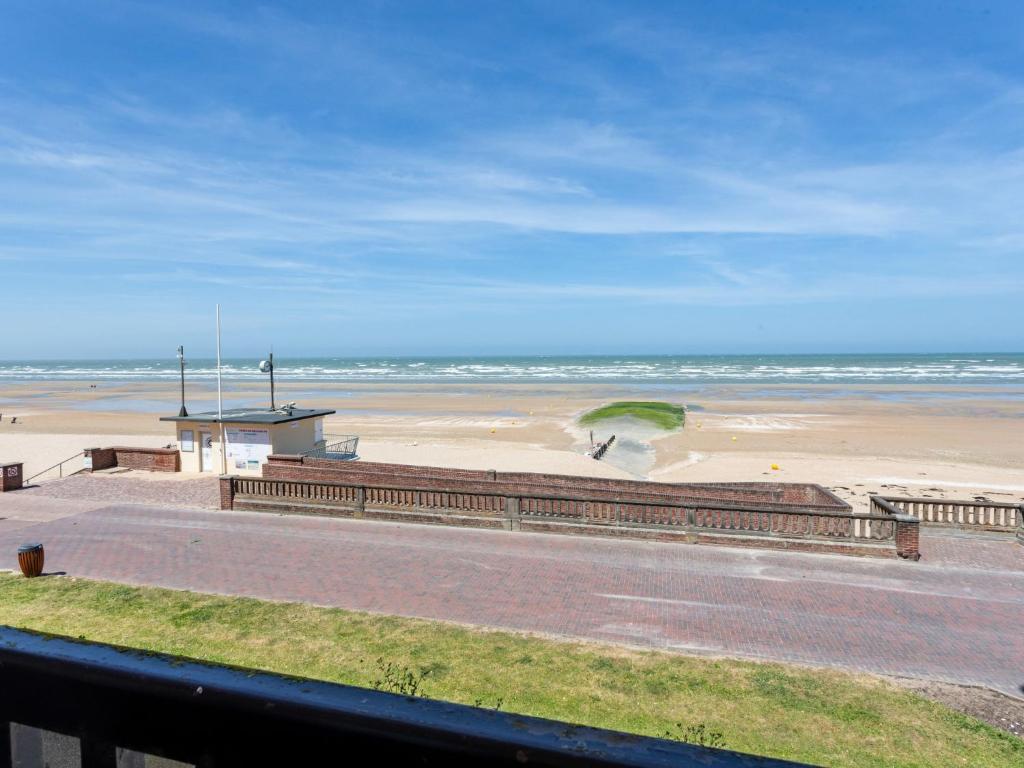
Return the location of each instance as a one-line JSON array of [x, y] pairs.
[[775, 466], [734, 437]]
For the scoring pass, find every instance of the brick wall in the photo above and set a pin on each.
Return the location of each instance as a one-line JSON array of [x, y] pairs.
[[151, 459], [101, 458], [380, 466], [286, 458], [293, 471], [764, 495]]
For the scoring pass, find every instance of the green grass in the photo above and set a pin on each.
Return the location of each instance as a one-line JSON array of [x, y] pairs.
[[663, 415], [822, 717]]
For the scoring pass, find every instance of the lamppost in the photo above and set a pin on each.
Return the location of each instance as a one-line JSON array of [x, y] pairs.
[[267, 366], [181, 362]]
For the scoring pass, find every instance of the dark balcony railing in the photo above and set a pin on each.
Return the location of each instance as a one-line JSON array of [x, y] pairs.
[[116, 705]]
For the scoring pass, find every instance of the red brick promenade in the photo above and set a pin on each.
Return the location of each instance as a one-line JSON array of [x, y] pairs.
[[956, 615]]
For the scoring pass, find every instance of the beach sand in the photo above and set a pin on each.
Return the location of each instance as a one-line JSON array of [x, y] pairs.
[[952, 442]]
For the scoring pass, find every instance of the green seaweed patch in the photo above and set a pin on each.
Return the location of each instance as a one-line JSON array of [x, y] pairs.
[[662, 415]]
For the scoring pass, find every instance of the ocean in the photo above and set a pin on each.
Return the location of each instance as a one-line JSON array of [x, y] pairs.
[[955, 369]]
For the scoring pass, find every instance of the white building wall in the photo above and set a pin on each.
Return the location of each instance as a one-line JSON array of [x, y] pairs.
[[292, 437]]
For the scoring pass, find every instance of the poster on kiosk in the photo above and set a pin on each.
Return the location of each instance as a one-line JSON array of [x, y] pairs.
[[248, 447]]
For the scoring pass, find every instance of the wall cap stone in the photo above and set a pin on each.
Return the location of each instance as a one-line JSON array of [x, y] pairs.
[[906, 519]]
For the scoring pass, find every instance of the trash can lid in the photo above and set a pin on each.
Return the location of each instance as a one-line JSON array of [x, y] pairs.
[[31, 547]]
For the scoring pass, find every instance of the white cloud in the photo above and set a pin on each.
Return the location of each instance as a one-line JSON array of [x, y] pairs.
[[284, 207]]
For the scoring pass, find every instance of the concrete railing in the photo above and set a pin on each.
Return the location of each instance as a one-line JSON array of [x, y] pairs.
[[958, 513], [516, 508]]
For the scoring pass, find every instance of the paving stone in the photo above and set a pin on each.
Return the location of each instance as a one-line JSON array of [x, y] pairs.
[[192, 492], [954, 616]]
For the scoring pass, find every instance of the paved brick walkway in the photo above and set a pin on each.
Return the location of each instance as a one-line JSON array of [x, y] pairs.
[[138, 488], [958, 619]]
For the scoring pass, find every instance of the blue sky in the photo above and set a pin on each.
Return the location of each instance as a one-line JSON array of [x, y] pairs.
[[437, 178]]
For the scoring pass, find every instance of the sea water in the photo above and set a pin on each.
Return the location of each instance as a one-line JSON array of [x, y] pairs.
[[955, 369]]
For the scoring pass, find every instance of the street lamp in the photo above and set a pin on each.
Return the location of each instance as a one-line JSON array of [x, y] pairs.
[[181, 361], [267, 366]]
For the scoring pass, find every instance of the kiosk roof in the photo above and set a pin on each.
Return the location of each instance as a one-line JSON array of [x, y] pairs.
[[254, 415]]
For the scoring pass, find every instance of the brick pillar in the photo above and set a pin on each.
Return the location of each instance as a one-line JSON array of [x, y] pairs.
[[12, 476], [227, 492], [908, 537], [99, 458], [513, 519], [170, 462], [1020, 525]]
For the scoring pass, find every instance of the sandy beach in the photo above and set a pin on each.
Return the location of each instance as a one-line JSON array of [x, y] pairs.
[[929, 440]]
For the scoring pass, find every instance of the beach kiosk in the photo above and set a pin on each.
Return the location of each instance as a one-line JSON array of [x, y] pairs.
[[249, 434]]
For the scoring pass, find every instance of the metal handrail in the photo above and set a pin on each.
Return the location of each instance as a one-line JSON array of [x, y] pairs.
[[58, 465], [343, 445]]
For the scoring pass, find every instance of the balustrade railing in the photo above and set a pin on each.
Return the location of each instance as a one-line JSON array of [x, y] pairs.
[[539, 511], [958, 513]]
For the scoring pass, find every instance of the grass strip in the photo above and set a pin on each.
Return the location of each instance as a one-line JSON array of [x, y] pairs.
[[818, 716]]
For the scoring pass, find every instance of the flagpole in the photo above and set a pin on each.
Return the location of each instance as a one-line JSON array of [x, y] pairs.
[[220, 405]]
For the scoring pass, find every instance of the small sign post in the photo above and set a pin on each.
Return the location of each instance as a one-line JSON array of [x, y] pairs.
[[12, 476]]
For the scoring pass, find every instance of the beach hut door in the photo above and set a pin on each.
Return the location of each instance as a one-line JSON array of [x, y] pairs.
[[206, 458]]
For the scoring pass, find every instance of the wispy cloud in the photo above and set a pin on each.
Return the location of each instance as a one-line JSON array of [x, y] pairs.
[[406, 162]]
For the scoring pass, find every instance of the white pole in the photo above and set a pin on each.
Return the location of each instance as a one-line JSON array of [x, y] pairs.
[[220, 405]]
